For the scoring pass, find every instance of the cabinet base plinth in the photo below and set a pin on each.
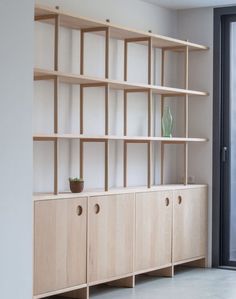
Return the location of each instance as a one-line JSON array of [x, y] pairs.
[[127, 282], [166, 272], [77, 294]]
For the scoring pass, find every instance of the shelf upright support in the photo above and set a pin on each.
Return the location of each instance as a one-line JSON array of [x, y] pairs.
[[106, 159], [150, 59], [125, 59], [138, 40], [186, 108], [56, 97], [81, 51], [149, 113], [56, 42], [162, 110], [148, 143], [125, 164], [125, 112], [149, 163], [107, 39], [107, 109], [81, 109]]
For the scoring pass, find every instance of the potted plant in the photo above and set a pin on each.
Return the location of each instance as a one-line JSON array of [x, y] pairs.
[[76, 184]]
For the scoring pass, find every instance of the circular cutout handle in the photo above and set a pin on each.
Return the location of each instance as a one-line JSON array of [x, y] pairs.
[[179, 199], [96, 208], [79, 210], [167, 201]]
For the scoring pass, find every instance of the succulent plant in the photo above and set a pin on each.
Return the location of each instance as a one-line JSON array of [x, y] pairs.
[[76, 179]]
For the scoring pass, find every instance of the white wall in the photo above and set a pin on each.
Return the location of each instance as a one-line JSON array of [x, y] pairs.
[[197, 25], [16, 62]]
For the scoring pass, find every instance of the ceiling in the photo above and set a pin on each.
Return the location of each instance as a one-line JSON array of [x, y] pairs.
[[184, 4]]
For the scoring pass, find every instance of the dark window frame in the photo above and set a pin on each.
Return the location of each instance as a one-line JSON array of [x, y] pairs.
[[218, 72]]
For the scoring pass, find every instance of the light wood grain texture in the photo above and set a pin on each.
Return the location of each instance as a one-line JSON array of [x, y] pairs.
[[111, 233], [107, 52], [60, 245], [59, 292], [130, 139], [115, 191], [71, 20], [150, 62], [153, 229], [81, 51], [69, 78], [125, 164], [107, 109], [190, 224], [56, 42]]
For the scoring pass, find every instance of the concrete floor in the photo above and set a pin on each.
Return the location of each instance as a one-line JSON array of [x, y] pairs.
[[186, 284]]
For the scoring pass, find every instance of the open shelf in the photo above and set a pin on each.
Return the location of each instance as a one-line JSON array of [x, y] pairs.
[[40, 74], [58, 18], [70, 20], [53, 137]]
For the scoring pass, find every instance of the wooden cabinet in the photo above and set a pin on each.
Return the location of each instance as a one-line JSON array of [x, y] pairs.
[[60, 244], [153, 230], [111, 236], [190, 223]]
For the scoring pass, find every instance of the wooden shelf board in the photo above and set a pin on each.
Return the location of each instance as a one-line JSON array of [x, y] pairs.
[[98, 192], [73, 21], [44, 137], [40, 74]]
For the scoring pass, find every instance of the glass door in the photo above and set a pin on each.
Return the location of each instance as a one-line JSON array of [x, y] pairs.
[[228, 150]]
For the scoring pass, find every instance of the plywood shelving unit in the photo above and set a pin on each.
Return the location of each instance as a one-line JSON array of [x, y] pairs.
[[58, 18]]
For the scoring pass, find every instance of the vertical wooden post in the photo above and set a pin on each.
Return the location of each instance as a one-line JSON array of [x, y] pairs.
[[81, 156], [125, 59], [162, 67], [149, 169], [150, 60], [81, 52], [56, 42], [125, 164], [149, 113], [106, 109], [81, 109], [162, 162], [106, 166], [186, 104], [125, 112], [107, 38], [162, 110], [56, 93]]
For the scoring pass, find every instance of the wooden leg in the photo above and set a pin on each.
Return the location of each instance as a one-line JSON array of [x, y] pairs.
[[166, 272], [127, 282]]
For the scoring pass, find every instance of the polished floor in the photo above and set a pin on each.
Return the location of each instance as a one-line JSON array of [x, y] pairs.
[[186, 284]]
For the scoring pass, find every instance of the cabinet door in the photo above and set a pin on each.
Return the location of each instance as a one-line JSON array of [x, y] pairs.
[[153, 229], [111, 236], [190, 223], [59, 244]]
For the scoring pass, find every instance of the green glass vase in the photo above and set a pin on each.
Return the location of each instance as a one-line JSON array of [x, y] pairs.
[[167, 122]]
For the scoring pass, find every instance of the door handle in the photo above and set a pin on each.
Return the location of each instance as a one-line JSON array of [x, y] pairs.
[[224, 155]]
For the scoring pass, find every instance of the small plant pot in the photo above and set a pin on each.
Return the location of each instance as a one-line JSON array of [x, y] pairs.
[[76, 186]]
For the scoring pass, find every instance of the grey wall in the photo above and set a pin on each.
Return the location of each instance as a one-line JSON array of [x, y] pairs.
[[16, 62]]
